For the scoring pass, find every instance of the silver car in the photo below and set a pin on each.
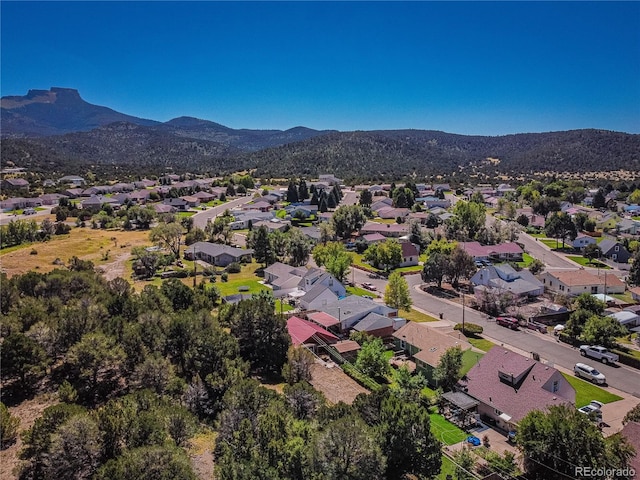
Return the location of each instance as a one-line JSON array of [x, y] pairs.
[[587, 372]]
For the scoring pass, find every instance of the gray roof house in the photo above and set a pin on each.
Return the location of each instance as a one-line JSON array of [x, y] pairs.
[[615, 251], [317, 297], [350, 310], [504, 278], [582, 241], [217, 254]]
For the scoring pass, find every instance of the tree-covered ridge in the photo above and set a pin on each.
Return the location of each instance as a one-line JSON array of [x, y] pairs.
[[374, 155]]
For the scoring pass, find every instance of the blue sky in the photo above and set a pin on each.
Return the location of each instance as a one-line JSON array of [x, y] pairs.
[[463, 67]]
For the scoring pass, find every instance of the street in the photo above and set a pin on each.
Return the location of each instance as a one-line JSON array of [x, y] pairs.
[[621, 377], [200, 219]]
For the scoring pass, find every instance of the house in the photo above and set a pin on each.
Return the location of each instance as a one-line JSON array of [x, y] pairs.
[[635, 293], [51, 198], [608, 221], [626, 318], [191, 200], [504, 278], [122, 187], [18, 203], [330, 179], [577, 282], [348, 349], [324, 320], [325, 217], [628, 226], [614, 250], [382, 203], [95, 202], [582, 241], [507, 252], [160, 208], [316, 276], [312, 232], [72, 180], [217, 254], [431, 201], [350, 310], [631, 431], [410, 254], [179, 204], [73, 192], [425, 346], [204, 196], [272, 225], [386, 229], [389, 213], [279, 269], [244, 219], [260, 205], [376, 325], [308, 334], [14, 184], [373, 238], [144, 183], [508, 386], [316, 297]]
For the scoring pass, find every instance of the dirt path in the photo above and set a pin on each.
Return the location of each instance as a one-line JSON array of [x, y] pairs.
[[336, 385], [116, 268]]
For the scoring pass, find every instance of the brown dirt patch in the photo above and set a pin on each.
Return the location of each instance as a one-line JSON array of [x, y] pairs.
[[201, 454], [28, 411], [336, 385], [98, 246]]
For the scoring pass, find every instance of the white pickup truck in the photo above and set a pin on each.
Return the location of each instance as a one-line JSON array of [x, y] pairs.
[[599, 353]]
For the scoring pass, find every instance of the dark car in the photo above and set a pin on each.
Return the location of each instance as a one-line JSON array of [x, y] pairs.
[[508, 322]]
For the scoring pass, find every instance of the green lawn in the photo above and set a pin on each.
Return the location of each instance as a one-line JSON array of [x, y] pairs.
[[469, 359], [246, 278], [185, 214], [585, 392], [361, 292], [448, 468], [416, 316], [625, 297], [526, 260], [282, 307], [445, 431], [551, 243], [580, 260], [481, 343]]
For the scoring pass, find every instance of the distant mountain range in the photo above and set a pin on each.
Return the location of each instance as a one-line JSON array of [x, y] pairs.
[[57, 130]]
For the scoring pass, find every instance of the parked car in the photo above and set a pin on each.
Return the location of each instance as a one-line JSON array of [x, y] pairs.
[[369, 286], [599, 353], [582, 370], [594, 410], [540, 327], [508, 322]]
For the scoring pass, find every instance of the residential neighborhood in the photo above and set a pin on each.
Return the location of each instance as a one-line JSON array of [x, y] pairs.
[[411, 282]]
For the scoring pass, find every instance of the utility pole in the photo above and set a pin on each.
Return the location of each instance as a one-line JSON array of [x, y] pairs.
[[463, 313], [195, 265]]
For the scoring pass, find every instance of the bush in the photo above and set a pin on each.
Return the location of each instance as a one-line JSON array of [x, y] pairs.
[[469, 328], [234, 267], [224, 277], [33, 252], [66, 393], [8, 427]]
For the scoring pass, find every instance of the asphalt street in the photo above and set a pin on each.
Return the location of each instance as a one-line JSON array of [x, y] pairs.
[[621, 377]]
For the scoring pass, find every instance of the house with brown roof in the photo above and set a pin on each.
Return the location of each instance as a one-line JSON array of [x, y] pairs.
[[509, 251], [410, 254], [425, 346], [632, 433], [15, 184], [387, 229], [508, 386], [577, 282]]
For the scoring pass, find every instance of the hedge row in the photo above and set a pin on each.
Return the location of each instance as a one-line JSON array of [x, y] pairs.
[[361, 378]]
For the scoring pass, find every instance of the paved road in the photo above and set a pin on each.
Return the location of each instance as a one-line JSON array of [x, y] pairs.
[[349, 197], [621, 377], [200, 219], [8, 217]]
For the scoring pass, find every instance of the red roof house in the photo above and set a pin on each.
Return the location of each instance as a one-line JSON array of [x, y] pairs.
[[303, 332]]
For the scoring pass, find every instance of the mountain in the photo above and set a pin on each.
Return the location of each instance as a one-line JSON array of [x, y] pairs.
[[57, 130], [59, 111], [395, 153], [55, 112]]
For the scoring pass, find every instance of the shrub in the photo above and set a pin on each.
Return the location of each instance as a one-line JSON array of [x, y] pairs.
[[224, 277], [234, 267], [67, 393], [469, 328], [33, 252], [8, 427]]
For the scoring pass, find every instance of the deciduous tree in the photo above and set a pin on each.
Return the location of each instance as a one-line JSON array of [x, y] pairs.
[[397, 293]]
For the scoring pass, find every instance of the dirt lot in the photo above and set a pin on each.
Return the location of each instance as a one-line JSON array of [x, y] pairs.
[[336, 385], [108, 249], [28, 411]]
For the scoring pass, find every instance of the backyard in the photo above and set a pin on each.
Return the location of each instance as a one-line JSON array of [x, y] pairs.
[[585, 392]]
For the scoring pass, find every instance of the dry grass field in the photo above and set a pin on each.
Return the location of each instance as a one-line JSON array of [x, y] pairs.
[[107, 249]]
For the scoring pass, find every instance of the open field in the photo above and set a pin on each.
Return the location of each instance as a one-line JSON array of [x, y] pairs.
[[102, 247]]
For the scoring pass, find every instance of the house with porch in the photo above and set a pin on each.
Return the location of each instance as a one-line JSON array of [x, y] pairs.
[[507, 386], [308, 334]]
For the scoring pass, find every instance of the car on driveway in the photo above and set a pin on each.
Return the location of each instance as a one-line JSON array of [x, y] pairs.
[[594, 410], [587, 372], [369, 286]]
